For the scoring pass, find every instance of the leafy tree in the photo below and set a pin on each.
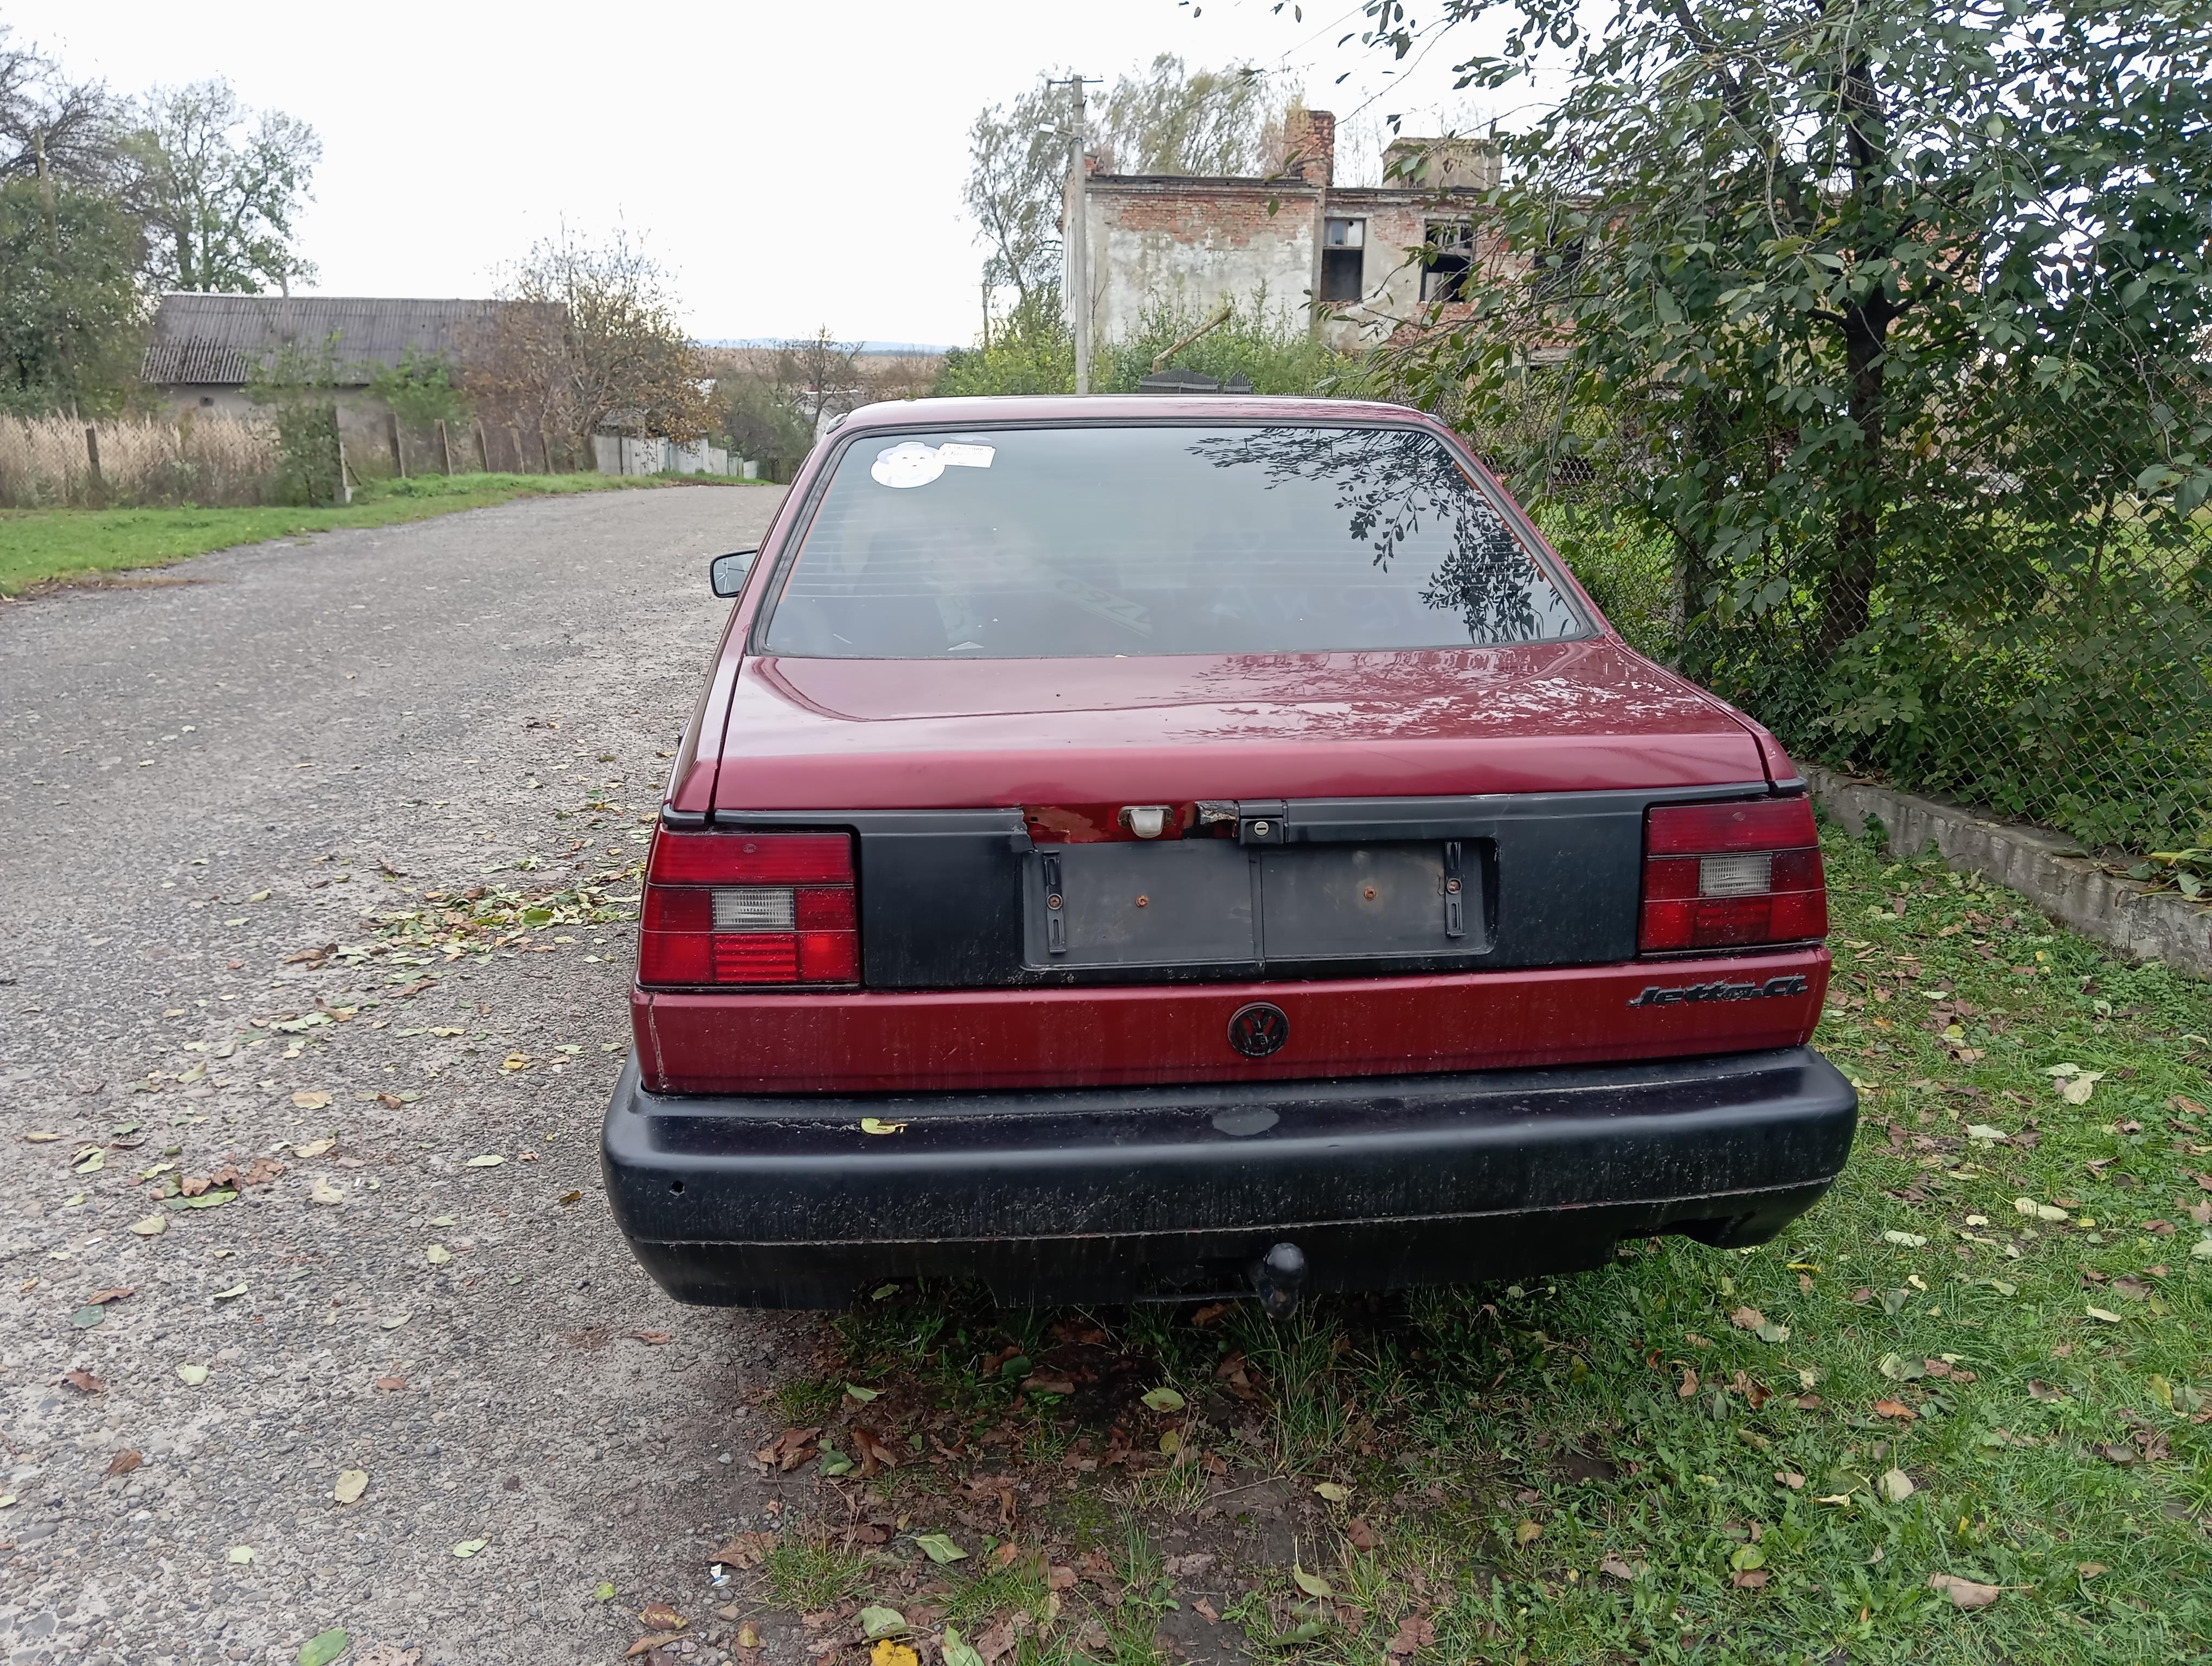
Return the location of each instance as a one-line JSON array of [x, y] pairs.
[[71, 313], [590, 341], [221, 186], [1171, 119], [53, 128], [1017, 164], [1887, 317], [298, 387], [420, 389]]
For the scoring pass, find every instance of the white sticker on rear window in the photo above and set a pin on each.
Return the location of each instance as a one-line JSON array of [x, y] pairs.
[[910, 463]]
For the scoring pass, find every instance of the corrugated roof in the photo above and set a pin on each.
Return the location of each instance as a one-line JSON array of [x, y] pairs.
[[205, 339]]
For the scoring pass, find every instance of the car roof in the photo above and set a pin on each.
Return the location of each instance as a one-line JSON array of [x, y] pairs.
[[1126, 407]]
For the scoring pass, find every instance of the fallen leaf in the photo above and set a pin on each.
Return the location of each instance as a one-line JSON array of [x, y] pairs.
[[1615, 1566], [514, 1062], [241, 1553], [1790, 1479], [659, 1617], [1908, 1240], [231, 1294], [748, 1636], [604, 1591], [1044, 1382], [470, 1546], [854, 1391], [1311, 1584], [2090, 1570], [957, 1650], [1747, 1318], [311, 1099], [1750, 1578], [1688, 1385], [647, 1644], [1164, 1400], [2104, 1315], [1527, 1533], [1415, 1632], [1361, 1534], [152, 1227], [939, 1548], [1332, 1492], [395, 1321], [389, 1384], [315, 1147], [876, 1125], [323, 1647], [84, 1382], [193, 1374], [567, 1198], [1965, 1593], [488, 1160], [890, 1653], [1896, 1408], [437, 1255], [1205, 1315], [352, 1483], [124, 1462], [880, 1621], [323, 1189], [42, 1139], [1895, 1485]]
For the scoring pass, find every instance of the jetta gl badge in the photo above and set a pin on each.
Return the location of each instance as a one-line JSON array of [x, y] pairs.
[[1773, 988], [1259, 1028]]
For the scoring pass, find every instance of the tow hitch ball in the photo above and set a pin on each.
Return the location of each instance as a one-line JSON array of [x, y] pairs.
[[1280, 1279]]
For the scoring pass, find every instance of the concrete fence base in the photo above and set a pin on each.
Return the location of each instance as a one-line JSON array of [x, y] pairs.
[[2045, 867]]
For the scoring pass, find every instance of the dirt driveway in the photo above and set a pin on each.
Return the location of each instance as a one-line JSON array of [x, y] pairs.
[[382, 1249]]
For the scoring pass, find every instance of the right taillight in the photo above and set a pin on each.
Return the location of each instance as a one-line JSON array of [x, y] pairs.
[[749, 908], [1721, 875]]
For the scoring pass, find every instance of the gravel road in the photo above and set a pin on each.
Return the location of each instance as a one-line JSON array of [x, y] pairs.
[[209, 775]]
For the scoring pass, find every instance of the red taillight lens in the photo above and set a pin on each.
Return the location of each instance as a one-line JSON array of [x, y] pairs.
[[749, 908], [1720, 876]]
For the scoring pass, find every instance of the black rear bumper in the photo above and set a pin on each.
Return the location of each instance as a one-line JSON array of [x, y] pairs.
[[1121, 1194]]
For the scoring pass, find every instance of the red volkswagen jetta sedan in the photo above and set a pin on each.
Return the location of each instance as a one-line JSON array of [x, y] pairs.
[[1158, 847]]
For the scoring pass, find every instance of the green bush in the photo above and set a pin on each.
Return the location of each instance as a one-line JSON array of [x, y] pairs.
[[1033, 353]]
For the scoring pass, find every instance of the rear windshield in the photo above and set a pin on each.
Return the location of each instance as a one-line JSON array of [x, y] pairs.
[[1034, 542]]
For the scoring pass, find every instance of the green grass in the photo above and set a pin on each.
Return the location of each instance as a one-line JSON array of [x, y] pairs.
[[41, 546], [1500, 1444]]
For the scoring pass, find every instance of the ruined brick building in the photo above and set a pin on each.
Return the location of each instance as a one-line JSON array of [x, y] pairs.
[[1374, 256]]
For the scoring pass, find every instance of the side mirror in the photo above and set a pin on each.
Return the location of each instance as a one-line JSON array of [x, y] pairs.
[[727, 574]]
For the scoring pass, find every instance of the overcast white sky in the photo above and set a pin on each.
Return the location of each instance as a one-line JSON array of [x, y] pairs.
[[795, 165]]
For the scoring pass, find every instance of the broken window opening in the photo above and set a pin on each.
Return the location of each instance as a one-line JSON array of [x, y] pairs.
[[1447, 259], [1343, 255]]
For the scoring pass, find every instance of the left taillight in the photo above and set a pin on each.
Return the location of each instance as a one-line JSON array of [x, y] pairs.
[[1719, 876], [749, 908]]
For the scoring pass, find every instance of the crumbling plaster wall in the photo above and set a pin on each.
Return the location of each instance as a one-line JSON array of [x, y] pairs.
[[1193, 244]]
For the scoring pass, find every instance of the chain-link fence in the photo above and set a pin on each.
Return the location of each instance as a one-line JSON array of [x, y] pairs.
[[56, 462], [2017, 612]]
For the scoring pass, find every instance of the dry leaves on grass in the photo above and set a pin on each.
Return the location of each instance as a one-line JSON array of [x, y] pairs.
[[1965, 1593], [1896, 1408], [1415, 1632], [789, 1450]]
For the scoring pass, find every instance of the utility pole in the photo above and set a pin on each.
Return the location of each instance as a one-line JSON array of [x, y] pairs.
[[1075, 240]]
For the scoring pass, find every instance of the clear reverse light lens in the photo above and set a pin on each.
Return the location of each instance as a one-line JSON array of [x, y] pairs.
[[1747, 875], [756, 908]]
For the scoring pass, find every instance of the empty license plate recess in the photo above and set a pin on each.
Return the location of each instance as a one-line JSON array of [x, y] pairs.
[[1213, 903]]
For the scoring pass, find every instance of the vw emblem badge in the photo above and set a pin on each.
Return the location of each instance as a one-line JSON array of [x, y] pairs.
[[1259, 1028]]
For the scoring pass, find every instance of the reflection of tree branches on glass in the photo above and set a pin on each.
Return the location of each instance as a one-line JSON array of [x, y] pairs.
[[1390, 482]]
